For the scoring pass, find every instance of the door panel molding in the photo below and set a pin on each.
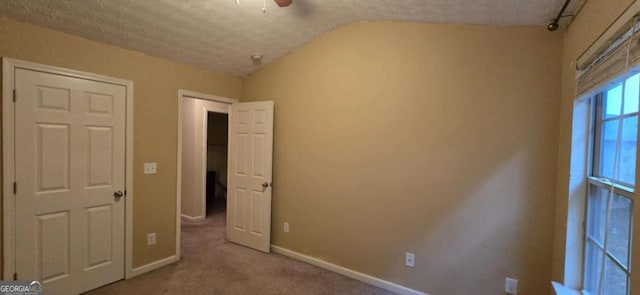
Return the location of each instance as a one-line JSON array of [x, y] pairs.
[[9, 67]]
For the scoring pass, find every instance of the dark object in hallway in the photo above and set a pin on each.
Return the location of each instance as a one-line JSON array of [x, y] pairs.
[[211, 186]]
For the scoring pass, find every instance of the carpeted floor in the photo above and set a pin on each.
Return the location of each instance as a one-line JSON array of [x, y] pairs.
[[212, 265]]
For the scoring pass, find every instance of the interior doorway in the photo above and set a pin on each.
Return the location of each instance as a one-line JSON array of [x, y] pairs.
[[247, 183], [202, 165], [203, 152]]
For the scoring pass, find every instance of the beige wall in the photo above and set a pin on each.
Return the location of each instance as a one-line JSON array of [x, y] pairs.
[[435, 139], [194, 156], [156, 115], [593, 19]]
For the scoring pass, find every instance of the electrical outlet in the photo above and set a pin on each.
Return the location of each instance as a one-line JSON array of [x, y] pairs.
[[410, 259], [286, 227], [151, 238], [150, 168], [511, 286]]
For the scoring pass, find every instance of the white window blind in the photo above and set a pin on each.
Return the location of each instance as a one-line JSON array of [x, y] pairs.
[[622, 54]]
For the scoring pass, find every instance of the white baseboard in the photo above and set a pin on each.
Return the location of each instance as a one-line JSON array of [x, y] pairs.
[[348, 272], [197, 218], [153, 265]]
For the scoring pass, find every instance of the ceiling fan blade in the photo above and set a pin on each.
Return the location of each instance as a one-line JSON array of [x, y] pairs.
[[283, 3]]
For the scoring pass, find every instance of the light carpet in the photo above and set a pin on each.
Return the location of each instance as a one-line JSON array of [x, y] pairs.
[[212, 265]]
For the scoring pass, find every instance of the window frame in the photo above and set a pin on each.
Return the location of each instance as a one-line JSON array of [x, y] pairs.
[[593, 179], [596, 132], [589, 239]]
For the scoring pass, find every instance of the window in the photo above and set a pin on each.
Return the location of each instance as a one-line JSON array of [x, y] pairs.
[[611, 182], [609, 114]]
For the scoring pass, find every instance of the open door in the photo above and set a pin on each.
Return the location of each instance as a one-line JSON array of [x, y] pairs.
[[250, 162]]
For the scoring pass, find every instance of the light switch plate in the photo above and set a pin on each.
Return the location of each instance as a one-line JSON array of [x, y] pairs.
[[150, 168], [151, 238], [511, 286]]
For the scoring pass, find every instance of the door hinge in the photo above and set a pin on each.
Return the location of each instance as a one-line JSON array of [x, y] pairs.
[[15, 276], [15, 187], [14, 95]]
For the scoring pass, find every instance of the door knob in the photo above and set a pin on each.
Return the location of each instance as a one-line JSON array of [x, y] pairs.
[[118, 194], [265, 185]]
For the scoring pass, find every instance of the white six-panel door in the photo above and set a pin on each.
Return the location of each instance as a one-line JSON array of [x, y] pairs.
[[250, 162], [69, 162]]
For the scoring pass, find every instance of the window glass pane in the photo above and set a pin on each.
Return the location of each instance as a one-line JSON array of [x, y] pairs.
[[631, 93], [608, 148], [593, 259], [597, 213], [612, 101], [620, 220], [615, 279], [627, 169], [615, 141]]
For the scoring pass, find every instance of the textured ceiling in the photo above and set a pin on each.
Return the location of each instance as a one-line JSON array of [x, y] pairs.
[[221, 35]]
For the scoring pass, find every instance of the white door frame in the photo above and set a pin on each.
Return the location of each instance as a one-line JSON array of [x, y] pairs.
[[196, 95], [9, 66]]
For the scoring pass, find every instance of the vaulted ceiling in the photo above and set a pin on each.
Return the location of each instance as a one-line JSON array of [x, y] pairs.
[[221, 35]]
